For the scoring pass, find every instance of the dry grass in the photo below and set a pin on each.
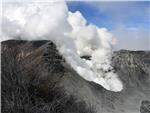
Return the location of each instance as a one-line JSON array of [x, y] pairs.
[[21, 95]]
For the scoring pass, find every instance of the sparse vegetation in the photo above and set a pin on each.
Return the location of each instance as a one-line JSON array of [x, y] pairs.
[[22, 95]]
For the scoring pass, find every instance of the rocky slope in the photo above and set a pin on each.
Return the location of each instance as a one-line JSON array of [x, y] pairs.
[[41, 58], [145, 107]]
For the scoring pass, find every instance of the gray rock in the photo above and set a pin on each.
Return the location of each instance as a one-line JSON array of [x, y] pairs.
[[145, 107]]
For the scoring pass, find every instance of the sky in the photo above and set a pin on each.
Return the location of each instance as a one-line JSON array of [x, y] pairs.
[[32, 20], [128, 21]]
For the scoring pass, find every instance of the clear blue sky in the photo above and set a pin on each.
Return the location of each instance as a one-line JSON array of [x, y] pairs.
[[110, 14], [128, 21]]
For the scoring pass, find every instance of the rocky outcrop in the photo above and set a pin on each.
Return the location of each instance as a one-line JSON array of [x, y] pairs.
[[145, 107]]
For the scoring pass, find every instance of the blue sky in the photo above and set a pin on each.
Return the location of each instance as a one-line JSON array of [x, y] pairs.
[[128, 21]]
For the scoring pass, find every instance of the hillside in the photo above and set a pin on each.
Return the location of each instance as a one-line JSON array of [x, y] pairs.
[[40, 59]]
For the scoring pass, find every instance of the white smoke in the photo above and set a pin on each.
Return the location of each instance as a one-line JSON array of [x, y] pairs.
[[70, 32]]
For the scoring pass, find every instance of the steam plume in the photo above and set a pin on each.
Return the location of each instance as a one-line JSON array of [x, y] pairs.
[[70, 32]]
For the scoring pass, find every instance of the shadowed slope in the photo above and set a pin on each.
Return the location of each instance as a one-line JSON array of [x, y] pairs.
[[41, 65], [31, 72]]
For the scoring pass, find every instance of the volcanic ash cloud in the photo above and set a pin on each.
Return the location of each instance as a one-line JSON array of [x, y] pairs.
[[70, 32]]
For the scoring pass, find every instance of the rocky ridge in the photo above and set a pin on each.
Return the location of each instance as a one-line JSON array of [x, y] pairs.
[[43, 58]]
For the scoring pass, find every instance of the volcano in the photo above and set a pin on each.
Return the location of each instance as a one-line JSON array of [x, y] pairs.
[[34, 72]]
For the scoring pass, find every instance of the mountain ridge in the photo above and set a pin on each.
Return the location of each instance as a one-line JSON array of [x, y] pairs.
[[132, 67]]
